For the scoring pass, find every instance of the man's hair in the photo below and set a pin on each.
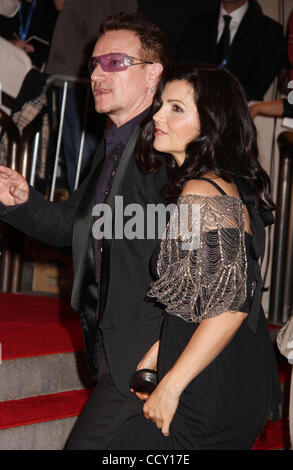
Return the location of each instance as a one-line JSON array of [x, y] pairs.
[[153, 41]]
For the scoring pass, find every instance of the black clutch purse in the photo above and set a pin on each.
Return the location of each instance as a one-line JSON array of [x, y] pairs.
[[144, 380]]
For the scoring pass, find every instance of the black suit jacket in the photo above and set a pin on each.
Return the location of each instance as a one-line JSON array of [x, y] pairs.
[[257, 52], [130, 323]]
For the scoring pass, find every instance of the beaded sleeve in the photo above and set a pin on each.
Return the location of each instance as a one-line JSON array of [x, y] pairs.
[[202, 263]]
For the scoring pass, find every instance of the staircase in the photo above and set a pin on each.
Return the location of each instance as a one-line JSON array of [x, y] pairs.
[[45, 382], [44, 379]]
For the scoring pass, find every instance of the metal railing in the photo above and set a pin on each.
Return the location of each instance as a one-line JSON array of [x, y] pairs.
[[281, 294], [66, 81], [22, 155]]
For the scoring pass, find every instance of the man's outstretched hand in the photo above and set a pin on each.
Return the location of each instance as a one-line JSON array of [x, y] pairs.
[[14, 188]]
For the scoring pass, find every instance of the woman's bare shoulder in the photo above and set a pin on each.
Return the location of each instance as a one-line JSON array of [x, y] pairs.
[[205, 188]]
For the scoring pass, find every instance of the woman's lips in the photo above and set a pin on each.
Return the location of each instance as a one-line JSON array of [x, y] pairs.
[[160, 132]]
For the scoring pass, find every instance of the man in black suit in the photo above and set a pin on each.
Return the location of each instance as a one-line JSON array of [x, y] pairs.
[[111, 276], [171, 16], [238, 36]]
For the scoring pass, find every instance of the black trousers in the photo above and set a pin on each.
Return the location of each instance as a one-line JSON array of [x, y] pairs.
[[105, 415]]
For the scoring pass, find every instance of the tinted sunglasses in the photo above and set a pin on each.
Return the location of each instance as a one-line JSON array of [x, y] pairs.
[[115, 62]]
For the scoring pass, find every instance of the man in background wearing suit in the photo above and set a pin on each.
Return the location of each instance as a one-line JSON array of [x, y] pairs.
[[111, 277], [171, 16], [238, 36]]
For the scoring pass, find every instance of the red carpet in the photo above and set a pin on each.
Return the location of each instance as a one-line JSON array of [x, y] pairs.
[[34, 326], [67, 404], [285, 370], [42, 408], [274, 436]]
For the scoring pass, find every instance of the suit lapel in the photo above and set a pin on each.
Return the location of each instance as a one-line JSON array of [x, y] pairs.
[[88, 196], [83, 256]]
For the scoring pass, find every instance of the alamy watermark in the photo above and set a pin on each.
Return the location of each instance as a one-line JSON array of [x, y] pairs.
[[136, 221]]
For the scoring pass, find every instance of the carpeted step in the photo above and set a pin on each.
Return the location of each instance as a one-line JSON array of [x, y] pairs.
[[47, 407], [47, 435], [40, 423], [42, 347], [43, 423], [44, 377], [43, 358], [38, 375], [274, 436], [35, 326]]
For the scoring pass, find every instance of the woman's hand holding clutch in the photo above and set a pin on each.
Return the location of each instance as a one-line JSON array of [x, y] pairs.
[[162, 402]]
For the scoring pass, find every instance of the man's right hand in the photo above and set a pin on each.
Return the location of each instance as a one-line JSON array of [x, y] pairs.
[[14, 189]]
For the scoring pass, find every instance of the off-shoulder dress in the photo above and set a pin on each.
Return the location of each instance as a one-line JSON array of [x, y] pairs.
[[203, 272]]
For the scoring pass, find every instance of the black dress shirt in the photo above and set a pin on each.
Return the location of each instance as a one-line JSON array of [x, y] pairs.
[[116, 140]]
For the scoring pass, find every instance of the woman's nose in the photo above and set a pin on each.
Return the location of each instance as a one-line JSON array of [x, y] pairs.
[[158, 116]]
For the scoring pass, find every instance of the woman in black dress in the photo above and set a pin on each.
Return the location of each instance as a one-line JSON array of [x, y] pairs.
[[218, 380]]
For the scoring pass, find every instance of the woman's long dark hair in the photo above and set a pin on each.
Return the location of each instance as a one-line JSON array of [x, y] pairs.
[[227, 144]]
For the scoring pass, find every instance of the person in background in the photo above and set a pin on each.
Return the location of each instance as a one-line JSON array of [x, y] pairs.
[[276, 108], [171, 16], [9, 7], [282, 107], [239, 37], [31, 28]]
